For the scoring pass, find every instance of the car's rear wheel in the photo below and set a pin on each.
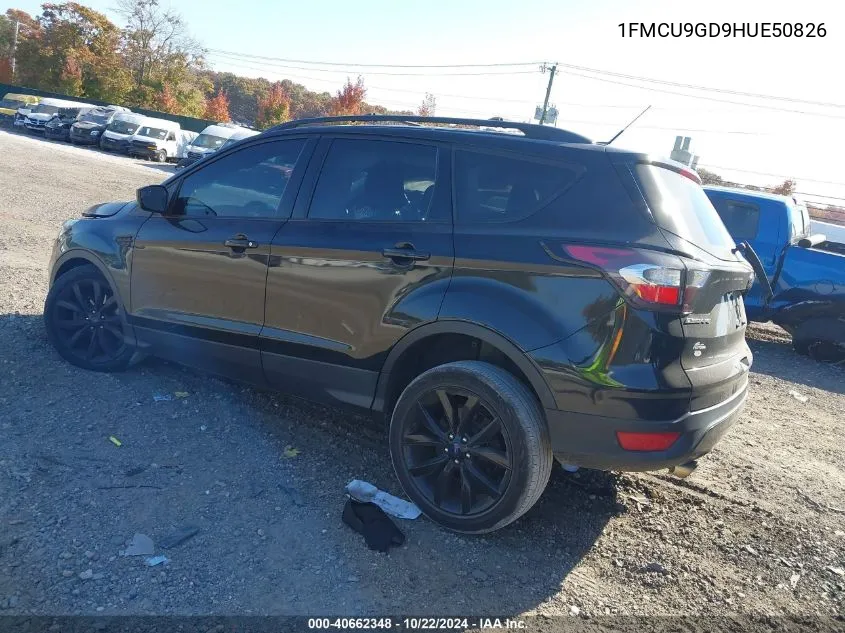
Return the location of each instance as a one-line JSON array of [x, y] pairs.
[[470, 446], [84, 321]]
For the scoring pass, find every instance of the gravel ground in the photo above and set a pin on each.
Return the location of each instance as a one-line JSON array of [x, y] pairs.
[[758, 529]]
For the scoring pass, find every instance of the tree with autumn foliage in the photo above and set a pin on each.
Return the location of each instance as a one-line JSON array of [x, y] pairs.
[[274, 107], [349, 100], [166, 101], [786, 188], [428, 105], [217, 108]]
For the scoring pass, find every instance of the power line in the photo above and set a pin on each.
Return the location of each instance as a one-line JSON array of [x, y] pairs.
[[401, 74], [356, 65], [683, 94], [710, 89], [818, 195], [676, 128], [760, 173]]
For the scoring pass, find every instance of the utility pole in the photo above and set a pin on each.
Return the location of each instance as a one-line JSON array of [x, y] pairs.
[[552, 70], [15, 47]]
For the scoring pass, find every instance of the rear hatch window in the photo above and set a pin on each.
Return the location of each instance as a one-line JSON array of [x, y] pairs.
[[681, 207]]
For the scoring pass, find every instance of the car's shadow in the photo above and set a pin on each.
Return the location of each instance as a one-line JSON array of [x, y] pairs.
[[510, 571], [777, 358]]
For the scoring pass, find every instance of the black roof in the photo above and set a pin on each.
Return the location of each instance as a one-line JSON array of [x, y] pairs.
[[421, 127]]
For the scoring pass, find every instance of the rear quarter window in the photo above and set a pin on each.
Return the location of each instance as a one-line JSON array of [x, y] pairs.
[[680, 206], [495, 188]]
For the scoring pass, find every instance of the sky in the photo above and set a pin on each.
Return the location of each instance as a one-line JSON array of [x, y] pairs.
[[752, 144]]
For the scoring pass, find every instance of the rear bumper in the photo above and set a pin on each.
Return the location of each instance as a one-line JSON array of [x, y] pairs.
[[590, 441]]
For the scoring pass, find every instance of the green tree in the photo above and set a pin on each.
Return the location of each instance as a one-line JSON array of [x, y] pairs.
[[73, 49]]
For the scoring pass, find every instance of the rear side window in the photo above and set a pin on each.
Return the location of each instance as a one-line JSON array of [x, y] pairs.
[[494, 188], [680, 206], [742, 219], [376, 181]]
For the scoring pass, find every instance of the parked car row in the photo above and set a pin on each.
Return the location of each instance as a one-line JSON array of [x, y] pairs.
[[117, 129]]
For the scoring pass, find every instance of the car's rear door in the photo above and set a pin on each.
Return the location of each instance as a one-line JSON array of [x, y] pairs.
[[366, 257], [199, 272]]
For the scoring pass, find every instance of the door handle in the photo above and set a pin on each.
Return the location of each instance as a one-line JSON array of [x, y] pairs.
[[240, 242], [405, 253]]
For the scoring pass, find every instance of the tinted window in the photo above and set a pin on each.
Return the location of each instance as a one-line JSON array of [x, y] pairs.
[[382, 181], [680, 206], [494, 188], [249, 183], [742, 219]]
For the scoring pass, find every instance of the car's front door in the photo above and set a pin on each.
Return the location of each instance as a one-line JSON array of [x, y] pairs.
[[199, 271], [364, 258]]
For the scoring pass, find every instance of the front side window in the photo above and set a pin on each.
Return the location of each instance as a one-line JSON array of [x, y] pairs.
[[742, 219], [379, 181], [249, 183], [498, 188]]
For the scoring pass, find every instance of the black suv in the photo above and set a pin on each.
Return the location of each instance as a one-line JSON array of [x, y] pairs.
[[499, 299]]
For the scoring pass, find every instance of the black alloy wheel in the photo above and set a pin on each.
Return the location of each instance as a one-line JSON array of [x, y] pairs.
[[470, 445], [84, 322], [457, 451]]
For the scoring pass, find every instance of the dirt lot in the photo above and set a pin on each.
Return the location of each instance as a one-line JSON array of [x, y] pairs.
[[758, 529]]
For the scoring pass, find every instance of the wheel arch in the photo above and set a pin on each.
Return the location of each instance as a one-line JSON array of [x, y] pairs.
[[391, 380]]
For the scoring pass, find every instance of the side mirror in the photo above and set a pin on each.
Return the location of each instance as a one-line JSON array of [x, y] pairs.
[[153, 198], [811, 241]]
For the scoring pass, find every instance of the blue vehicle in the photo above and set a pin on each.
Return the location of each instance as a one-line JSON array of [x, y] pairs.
[[806, 271]]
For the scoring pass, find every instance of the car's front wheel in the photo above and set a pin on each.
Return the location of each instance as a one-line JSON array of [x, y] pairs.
[[84, 322], [470, 446]]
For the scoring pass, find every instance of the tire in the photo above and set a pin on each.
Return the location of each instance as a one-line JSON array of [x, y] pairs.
[[101, 145], [822, 339], [86, 325], [514, 463], [161, 156]]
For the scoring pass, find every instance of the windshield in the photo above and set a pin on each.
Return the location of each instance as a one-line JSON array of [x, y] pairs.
[[12, 104], [122, 127], [95, 117], [45, 109], [680, 206], [152, 132], [208, 141]]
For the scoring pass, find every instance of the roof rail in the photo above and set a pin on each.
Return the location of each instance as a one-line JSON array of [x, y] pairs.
[[530, 130]]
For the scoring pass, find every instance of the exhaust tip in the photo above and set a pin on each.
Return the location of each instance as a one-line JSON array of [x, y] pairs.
[[682, 471]]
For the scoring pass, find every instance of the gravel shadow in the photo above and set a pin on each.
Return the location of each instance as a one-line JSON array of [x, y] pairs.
[[778, 359], [212, 454]]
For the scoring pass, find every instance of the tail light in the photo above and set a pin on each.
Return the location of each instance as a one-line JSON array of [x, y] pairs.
[[649, 278]]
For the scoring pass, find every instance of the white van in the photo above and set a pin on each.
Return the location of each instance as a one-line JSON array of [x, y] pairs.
[[239, 136], [47, 109], [115, 137], [158, 139], [214, 137]]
